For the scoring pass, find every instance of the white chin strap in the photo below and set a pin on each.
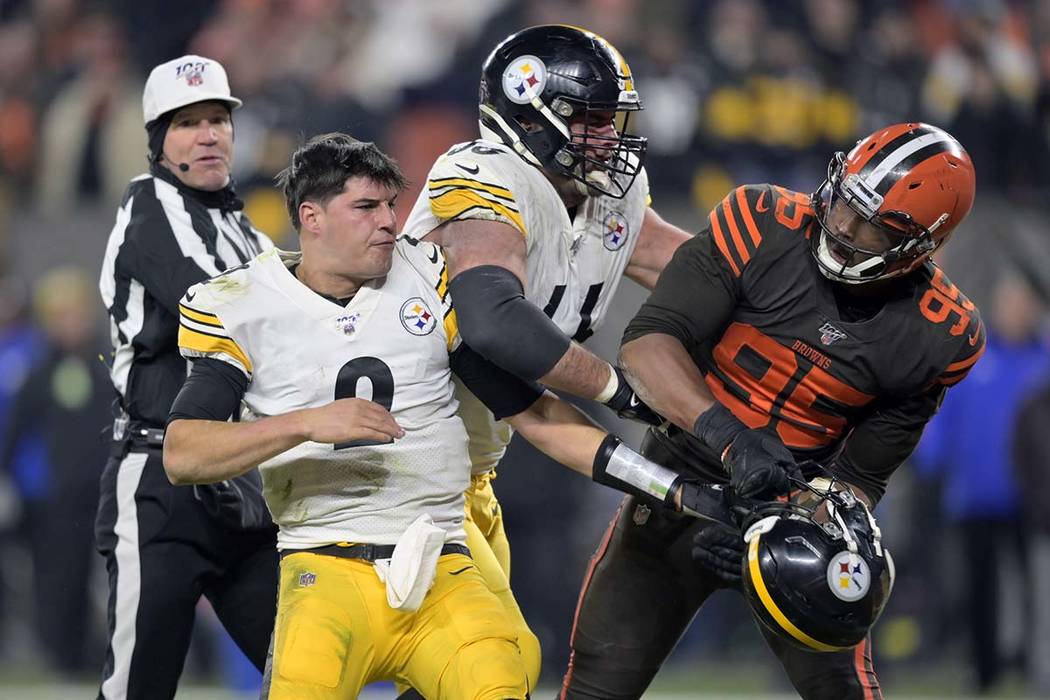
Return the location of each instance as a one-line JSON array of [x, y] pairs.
[[850, 274], [508, 136]]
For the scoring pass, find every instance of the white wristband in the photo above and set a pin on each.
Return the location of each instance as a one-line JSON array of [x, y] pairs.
[[648, 477], [610, 386]]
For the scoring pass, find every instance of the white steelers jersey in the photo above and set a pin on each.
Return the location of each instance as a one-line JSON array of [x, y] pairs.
[[574, 266], [299, 350]]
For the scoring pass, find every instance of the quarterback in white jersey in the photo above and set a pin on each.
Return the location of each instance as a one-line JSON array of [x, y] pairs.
[[319, 493], [368, 494]]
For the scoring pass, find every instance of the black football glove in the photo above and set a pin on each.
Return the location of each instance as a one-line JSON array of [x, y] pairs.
[[236, 503], [720, 549], [628, 404], [757, 461], [759, 465]]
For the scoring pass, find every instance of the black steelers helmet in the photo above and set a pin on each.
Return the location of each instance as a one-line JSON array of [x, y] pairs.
[[538, 80], [820, 586]]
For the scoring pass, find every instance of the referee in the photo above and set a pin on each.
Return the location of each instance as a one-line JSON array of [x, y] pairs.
[[164, 545]]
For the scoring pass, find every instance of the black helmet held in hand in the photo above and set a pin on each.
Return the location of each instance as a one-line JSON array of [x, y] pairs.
[[538, 83], [818, 585]]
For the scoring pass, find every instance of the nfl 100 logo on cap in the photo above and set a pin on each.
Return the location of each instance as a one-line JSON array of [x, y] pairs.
[[185, 81], [192, 72]]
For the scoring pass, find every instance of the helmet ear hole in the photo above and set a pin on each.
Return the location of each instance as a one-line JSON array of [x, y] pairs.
[[527, 125]]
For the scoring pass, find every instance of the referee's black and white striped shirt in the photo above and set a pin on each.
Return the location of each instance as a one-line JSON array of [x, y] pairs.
[[167, 237]]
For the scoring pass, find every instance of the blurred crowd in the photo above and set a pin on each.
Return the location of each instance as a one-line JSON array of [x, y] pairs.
[[734, 90]]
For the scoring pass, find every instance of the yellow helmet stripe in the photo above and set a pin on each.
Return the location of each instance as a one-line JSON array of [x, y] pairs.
[[771, 607]]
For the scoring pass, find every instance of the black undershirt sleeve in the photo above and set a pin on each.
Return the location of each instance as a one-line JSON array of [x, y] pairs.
[[213, 391], [694, 297], [883, 440], [503, 393]]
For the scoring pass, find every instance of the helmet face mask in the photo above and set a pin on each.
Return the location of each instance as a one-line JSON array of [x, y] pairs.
[[550, 93], [913, 183], [818, 585]]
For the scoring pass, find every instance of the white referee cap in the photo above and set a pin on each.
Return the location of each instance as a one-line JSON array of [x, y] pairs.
[[185, 81]]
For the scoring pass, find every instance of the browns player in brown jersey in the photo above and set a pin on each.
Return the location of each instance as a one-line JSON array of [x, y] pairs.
[[795, 329]]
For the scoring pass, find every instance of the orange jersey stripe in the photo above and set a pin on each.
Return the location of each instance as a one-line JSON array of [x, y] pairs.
[[968, 362], [720, 241], [745, 213], [745, 256]]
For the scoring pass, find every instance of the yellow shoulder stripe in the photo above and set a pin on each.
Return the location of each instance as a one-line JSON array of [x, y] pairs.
[[200, 316], [203, 342], [771, 606], [454, 203], [451, 328], [495, 190]]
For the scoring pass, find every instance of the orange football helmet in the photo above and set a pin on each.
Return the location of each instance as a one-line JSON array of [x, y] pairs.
[[913, 181]]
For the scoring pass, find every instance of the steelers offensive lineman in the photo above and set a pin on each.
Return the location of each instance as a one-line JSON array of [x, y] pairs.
[[375, 581], [539, 220]]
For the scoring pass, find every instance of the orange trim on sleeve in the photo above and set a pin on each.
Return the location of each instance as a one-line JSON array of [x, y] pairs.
[[745, 213], [720, 241], [968, 362], [745, 255]]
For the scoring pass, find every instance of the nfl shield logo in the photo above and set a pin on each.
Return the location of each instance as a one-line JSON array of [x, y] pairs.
[[192, 73], [307, 579], [829, 334]]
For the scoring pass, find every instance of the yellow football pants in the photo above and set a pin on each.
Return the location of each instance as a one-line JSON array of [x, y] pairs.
[[491, 551], [336, 633]]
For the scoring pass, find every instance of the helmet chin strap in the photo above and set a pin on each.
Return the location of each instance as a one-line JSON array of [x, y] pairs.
[[516, 142]]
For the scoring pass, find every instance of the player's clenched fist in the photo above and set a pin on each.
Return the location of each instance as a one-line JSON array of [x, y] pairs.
[[346, 420]]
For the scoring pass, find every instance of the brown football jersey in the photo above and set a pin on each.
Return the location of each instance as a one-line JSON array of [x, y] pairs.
[[842, 379]]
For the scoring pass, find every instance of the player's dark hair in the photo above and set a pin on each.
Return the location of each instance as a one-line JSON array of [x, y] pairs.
[[321, 167]]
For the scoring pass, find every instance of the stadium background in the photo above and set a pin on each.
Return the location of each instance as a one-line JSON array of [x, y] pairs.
[[735, 91]]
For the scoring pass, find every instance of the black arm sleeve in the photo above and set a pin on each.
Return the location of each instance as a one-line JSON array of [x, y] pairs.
[[213, 391], [694, 297], [498, 322], [502, 392], [151, 254], [883, 440]]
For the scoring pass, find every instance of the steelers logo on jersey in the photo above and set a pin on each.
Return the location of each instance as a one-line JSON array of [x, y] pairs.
[[615, 230], [848, 576], [524, 79], [417, 318]]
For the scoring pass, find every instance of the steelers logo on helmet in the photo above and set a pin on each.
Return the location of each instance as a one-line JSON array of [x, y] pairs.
[[524, 79], [417, 317], [848, 576], [615, 230]]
